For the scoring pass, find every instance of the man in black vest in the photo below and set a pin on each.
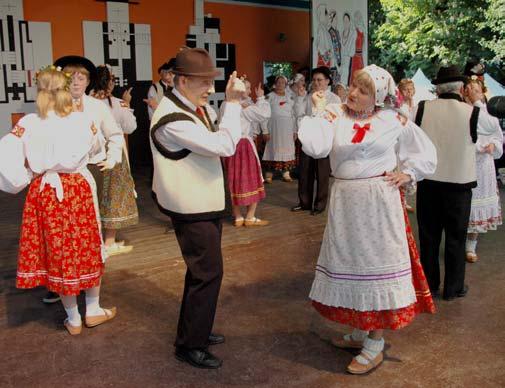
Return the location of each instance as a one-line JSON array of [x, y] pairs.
[[444, 198], [189, 186]]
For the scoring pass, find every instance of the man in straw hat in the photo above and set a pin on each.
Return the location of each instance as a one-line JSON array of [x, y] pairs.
[[189, 186], [444, 198]]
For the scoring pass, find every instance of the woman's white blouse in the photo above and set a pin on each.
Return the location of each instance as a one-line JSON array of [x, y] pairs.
[[282, 106], [251, 115], [46, 146], [391, 140], [123, 115], [496, 138]]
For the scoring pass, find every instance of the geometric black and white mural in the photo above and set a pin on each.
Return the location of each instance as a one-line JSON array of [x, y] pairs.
[[206, 33], [123, 45], [25, 48]]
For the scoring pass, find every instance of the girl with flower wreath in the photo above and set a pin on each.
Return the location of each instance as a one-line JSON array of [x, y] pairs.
[[60, 245]]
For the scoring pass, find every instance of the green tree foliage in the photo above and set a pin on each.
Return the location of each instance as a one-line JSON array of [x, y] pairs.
[[495, 23], [409, 34]]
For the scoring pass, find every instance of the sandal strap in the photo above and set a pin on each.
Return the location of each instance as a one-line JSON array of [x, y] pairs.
[[367, 357]]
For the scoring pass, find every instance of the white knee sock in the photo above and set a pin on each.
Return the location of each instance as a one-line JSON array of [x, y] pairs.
[[471, 245], [371, 348], [93, 302], [70, 304]]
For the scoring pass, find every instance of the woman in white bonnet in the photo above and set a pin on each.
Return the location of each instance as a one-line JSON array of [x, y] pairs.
[[368, 274], [296, 83], [279, 152]]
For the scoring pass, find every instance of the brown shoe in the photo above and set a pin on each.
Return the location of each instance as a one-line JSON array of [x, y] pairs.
[[238, 223], [99, 319], [356, 368], [343, 343], [471, 257], [73, 330], [255, 222]]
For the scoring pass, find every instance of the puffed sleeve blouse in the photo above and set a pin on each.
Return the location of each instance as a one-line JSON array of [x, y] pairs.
[[41, 146], [389, 140]]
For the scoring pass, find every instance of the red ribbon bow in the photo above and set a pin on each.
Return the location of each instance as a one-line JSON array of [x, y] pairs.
[[361, 131], [281, 103]]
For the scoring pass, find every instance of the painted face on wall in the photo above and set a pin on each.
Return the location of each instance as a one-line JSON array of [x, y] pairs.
[[79, 84], [347, 22]]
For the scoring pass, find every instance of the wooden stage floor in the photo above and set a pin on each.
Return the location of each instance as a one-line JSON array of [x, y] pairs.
[[264, 312]]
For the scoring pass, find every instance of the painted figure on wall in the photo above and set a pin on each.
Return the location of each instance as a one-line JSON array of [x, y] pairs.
[[336, 44], [348, 47], [323, 43], [357, 59]]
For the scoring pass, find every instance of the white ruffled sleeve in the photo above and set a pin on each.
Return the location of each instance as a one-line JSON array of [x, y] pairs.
[[416, 153], [317, 133], [258, 112], [495, 135], [14, 176]]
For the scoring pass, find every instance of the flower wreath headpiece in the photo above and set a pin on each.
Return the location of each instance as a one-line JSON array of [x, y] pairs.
[[68, 76]]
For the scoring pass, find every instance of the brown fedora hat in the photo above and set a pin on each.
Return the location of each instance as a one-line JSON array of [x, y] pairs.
[[195, 62]]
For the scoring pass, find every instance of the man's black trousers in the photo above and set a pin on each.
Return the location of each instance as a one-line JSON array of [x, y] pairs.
[[200, 244]]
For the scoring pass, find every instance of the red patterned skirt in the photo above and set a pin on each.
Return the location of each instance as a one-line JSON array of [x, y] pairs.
[[60, 244], [388, 319], [244, 175], [272, 166]]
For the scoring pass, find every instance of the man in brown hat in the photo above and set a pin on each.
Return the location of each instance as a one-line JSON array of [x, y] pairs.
[[444, 198], [189, 186]]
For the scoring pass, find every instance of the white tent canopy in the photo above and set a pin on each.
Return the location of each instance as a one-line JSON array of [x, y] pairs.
[[494, 87], [424, 87]]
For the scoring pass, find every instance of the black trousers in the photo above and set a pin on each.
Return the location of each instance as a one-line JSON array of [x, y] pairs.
[[200, 243], [441, 209], [311, 170]]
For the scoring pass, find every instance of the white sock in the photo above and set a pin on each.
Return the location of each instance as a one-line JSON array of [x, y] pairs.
[[359, 335], [471, 245], [74, 318], [93, 306], [371, 348], [70, 304]]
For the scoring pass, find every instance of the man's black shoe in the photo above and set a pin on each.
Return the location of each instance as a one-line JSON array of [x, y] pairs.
[[199, 358], [459, 294], [316, 211], [298, 208], [216, 339]]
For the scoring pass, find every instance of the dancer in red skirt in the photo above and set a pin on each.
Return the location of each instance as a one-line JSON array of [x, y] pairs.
[[243, 169], [60, 245], [368, 273]]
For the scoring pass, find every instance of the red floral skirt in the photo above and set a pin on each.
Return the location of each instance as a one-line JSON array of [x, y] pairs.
[[243, 172], [60, 245], [388, 319]]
